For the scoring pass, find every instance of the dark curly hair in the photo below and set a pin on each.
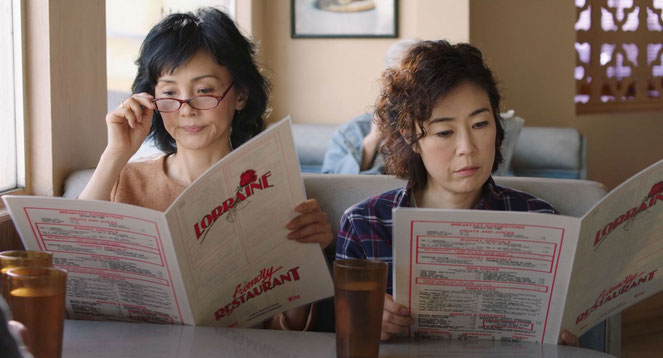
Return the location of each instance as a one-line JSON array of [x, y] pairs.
[[176, 39], [428, 71]]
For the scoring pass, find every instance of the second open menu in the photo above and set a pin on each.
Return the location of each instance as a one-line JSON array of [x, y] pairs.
[[487, 275]]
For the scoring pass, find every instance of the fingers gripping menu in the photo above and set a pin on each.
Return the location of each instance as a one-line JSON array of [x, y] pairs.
[[479, 278]]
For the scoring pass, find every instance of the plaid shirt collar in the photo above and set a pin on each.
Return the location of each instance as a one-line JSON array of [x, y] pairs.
[[491, 195]]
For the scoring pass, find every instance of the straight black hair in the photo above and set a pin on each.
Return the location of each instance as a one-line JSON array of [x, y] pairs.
[[176, 39]]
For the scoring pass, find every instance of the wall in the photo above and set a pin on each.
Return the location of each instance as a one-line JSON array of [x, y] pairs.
[[333, 80], [65, 73], [529, 44]]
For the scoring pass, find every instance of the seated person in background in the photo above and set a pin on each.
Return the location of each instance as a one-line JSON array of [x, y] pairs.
[[439, 116], [354, 145], [199, 94]]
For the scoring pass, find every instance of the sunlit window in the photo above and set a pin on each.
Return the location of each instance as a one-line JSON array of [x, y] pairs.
[[125, 31], [12, 160], [619, 55]]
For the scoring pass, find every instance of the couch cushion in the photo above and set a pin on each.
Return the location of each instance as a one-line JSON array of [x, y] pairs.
[[311, 142], [550, 152]]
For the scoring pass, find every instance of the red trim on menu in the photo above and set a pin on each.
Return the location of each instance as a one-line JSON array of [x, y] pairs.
[[552, 287], [157, 238], [556, 251], [96, 228], [474, 252], [530, 328], [441, 282], [409, 303], [107, 272], [119, 245], [170, 279], [32, 227]]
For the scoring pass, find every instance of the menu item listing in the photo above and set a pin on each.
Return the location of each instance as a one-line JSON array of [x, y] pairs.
[[521, 276], [219, 255]]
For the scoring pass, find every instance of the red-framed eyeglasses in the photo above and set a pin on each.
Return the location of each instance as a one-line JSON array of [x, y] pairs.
[[201, 102]]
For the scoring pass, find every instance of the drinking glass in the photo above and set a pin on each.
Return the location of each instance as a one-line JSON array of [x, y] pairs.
[[36, 299], [359, 289], [21, 258]]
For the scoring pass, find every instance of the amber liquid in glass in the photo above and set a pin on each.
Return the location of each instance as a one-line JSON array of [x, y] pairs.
[[17, 259], [4, 283], [41, 310], [356, 311]]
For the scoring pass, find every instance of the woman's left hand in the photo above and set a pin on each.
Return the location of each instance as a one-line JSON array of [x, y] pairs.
[[311, 225]]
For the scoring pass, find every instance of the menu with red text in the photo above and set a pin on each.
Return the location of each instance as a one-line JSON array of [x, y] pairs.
[[218, 256], [474, 274]]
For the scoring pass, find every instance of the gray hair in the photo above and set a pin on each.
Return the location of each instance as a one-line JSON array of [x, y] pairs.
[[397, 50]]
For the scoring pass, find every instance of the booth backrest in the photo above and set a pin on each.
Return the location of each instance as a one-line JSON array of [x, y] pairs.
[[336, 193]]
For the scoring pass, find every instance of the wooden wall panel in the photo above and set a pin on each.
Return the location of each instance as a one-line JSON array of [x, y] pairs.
[[9, 239]]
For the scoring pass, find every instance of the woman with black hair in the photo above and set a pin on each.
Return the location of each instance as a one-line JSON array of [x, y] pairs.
[[439, 116], [199, 94]]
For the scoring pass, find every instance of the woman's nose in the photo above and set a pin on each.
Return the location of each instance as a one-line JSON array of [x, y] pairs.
[[186, 109], [465, 143]]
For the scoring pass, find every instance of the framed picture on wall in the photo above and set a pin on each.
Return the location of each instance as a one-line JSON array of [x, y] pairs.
[[343, 18]]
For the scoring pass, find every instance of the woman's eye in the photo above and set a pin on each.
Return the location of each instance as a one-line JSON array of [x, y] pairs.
[[205, 90], [444, 134], [167, 93], [481, 124]]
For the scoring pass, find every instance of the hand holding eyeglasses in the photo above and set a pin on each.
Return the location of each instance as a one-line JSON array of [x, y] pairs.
[[129, 124], [200, 102]]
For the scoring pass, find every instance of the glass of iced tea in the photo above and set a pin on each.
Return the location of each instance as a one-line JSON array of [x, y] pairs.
[[21, 258], [36, 299], [359, 289]]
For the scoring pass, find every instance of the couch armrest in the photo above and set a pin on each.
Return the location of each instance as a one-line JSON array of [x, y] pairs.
[[550, 152], [75, 183]]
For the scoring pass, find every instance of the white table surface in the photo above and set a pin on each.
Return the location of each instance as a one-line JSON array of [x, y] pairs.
[[142, 340]]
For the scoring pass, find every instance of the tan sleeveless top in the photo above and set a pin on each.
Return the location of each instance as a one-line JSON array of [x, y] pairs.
[[146, 184]]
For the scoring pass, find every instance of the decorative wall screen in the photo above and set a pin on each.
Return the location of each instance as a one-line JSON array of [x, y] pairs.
[[619, 55]]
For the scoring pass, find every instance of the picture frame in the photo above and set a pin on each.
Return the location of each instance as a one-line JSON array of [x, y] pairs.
[[343, 18]]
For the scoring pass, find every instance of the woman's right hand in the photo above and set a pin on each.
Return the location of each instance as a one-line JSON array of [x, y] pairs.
[[129, 124], [395, 318]]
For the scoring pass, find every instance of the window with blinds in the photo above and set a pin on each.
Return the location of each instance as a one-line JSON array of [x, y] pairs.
[[619, 55]]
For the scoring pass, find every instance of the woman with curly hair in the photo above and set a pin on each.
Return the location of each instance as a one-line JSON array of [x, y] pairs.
[[438, 113]]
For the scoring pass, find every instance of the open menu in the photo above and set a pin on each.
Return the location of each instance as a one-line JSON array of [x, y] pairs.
[[217, 256], [526, 276]]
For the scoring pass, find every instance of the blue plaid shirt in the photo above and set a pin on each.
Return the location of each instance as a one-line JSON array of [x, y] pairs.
[[366, 227]]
